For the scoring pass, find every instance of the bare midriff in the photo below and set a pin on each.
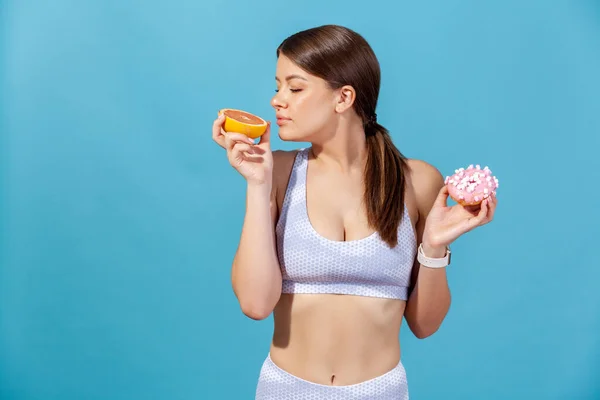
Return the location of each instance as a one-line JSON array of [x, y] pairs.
[[336, 340]]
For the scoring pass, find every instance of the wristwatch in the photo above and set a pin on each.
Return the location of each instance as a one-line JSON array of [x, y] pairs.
[[433, 262]]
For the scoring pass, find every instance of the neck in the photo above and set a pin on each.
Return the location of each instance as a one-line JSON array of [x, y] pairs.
[[345, 149]]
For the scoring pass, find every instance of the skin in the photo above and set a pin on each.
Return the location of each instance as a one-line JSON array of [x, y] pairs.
[[324, 338]]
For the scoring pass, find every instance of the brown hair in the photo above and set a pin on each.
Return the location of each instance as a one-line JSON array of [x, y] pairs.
[[341, 57]]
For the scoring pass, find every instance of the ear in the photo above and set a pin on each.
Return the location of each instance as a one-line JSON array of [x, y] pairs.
[[345, 98]]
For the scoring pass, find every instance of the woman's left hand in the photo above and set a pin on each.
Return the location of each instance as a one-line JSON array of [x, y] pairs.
[[445, 224]]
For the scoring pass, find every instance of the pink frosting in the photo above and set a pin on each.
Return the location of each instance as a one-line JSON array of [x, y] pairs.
[[472, 184]]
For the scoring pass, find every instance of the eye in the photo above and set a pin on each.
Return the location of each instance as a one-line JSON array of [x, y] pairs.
[[295, 90]]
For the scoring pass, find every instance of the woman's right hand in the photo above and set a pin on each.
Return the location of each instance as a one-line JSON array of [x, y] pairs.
[[253, 161]]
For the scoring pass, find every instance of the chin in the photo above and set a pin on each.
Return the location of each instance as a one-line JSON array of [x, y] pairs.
[[291, 135]]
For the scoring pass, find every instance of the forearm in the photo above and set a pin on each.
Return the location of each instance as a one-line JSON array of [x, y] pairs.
[[256, 275], [429, 300]]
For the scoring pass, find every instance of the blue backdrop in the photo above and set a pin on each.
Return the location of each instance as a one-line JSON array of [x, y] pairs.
[[120, 216]]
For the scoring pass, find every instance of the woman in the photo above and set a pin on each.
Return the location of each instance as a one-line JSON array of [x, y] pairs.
[[342, 239]]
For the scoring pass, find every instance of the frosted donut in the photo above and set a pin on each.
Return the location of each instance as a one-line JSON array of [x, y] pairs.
[[470, 186]]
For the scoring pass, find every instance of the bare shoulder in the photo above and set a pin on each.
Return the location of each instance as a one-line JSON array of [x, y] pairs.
[[282, 163], [283, 160], [283, 156], [422, 172], [426, 181]]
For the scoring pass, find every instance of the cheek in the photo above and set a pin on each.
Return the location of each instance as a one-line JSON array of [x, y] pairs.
[[312, 112]]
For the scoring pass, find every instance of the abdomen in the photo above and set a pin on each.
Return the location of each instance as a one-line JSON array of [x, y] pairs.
[[345, 339]]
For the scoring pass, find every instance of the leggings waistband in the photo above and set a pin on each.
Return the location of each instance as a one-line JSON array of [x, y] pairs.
[[276, 383]]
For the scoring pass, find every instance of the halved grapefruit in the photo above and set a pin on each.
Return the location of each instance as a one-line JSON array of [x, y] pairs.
[[240, 121]]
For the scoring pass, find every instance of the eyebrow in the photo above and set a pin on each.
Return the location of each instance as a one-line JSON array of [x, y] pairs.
[[293, 76]]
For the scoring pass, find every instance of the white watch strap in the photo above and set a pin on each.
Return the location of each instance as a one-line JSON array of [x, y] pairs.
[[433, 262]]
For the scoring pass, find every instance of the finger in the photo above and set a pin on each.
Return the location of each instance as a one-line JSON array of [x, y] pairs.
[[265, 139], [492, 207], [442, 198], [238, 137], [474, 209], [258, 150], [482, 215], [228, 143], [220, 140], [232, 138], [239, 148], [217, 130], [255, 159]]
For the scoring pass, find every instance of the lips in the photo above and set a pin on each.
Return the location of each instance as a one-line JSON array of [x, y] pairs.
[[281, 120]]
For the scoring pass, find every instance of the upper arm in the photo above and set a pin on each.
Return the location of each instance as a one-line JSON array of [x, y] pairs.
[[426, 181], [282, 167]]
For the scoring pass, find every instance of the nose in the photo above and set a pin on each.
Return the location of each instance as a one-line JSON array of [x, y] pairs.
[[277, 102]]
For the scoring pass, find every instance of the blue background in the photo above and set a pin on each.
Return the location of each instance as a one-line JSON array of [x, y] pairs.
[[120, 216]]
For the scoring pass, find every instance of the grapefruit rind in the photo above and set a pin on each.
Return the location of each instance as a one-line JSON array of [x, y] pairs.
[[251, 130]]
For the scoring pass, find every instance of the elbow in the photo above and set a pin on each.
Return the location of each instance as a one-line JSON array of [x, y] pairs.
[[424, 332], [255, 310], [424, 323], [423, 328], [256, 303]]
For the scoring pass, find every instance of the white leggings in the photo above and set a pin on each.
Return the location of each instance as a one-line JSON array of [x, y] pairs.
[[276, 384]]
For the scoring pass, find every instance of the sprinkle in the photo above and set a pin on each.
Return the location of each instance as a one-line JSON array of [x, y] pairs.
[[473, 183]]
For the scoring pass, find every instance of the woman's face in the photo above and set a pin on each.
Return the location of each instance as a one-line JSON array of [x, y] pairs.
[[304, 104]]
